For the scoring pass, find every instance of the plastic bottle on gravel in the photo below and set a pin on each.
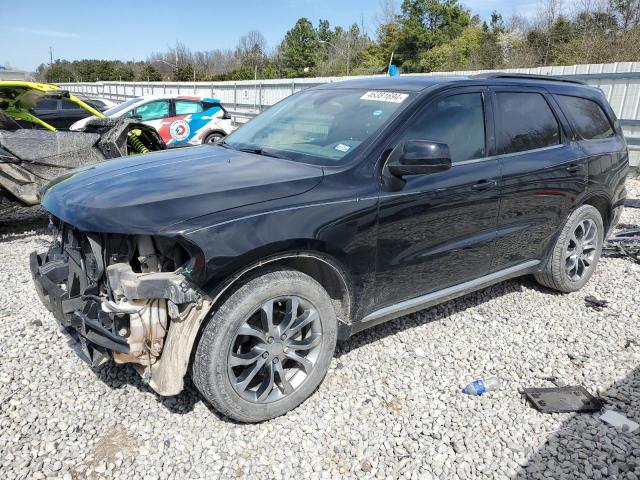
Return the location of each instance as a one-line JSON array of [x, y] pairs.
[[480, 386]]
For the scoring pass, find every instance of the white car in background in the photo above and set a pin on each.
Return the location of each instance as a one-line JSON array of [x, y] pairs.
[[180, 120]]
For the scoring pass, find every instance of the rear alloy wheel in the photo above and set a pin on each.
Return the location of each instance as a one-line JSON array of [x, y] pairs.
[[581, 250], [576, 252], [267, 348]]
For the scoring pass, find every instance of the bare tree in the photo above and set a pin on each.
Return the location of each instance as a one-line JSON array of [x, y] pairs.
[[388, 11], [252, 49]]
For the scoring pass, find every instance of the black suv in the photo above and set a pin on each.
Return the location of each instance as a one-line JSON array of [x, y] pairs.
[[340, 207]]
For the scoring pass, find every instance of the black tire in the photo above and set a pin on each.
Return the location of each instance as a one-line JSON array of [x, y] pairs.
[[213, 138], [555, 274], [211, 367]]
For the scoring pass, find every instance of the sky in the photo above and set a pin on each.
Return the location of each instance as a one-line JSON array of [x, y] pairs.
[[132, 29]]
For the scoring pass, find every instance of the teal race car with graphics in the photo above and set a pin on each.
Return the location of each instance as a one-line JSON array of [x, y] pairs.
[[180, 120]]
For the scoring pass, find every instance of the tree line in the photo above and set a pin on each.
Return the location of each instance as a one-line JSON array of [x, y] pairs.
[[415, 35]]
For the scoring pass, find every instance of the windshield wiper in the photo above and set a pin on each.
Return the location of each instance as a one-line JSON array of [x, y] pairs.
[[262, 151]]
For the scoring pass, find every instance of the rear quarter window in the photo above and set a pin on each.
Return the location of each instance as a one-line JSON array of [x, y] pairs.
[[586, 116]]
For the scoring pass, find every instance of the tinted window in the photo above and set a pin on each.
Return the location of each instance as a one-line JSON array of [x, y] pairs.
[[185, 107], [526, 122], [153, 110], [458, 121], [586, 116], [46, 103], [67, 105]]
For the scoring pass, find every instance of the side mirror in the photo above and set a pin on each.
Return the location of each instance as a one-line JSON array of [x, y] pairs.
[[418, 157]]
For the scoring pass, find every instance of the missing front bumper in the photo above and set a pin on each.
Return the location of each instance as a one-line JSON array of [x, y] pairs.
[[77, 317], [86, 322]]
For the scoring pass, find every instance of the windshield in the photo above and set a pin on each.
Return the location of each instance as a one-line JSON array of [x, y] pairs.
[[121, 107], [318, 126]]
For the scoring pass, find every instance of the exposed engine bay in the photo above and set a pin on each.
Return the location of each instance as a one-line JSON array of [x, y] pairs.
[[31, 158], [123, 297]]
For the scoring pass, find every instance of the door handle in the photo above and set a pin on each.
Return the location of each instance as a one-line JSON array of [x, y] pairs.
[[574, 168], [484, 185]]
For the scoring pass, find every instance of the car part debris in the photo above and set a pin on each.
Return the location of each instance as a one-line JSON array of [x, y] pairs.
[[618, 420], [632, 202], [625, 243], [30, 158], [480, 386], [597, 304], [573, 398]]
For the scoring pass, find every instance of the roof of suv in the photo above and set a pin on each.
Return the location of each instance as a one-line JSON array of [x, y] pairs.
[[415, 83]]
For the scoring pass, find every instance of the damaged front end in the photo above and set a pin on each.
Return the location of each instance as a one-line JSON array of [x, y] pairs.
[[130, 298]]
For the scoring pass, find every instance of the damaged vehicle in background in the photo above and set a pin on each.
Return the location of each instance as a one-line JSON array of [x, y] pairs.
[[341, 207], [31, 157]]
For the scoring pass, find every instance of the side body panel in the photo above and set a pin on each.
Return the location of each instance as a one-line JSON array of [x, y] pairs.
[[607, 158], [538, 190], [439, 229]]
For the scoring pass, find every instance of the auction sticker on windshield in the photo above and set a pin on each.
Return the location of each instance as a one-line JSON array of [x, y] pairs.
[[393, 97]]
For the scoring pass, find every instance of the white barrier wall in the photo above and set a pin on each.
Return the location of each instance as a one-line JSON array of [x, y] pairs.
[[619, 81]]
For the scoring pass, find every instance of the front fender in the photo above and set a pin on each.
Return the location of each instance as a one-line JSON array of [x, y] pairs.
[[343, 230]]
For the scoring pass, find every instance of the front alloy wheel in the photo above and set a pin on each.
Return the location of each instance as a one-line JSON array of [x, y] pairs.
[[267, 347], [275, 349]]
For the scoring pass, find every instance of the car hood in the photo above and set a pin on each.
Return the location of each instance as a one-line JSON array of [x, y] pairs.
[[148, 193]]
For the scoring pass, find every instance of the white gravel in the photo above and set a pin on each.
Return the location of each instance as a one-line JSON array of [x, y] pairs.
[[390, 407]]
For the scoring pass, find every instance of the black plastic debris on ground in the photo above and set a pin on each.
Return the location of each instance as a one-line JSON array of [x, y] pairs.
[[632, 202], [623, 243], [562, 399], [596, 304]]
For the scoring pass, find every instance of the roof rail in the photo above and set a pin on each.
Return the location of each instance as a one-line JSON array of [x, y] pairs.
[[529, 76]]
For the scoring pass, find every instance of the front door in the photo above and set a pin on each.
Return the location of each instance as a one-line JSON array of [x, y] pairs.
[[439, 229]]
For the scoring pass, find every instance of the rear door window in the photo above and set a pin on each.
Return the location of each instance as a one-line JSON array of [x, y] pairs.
[[526, 122], [587, 117]]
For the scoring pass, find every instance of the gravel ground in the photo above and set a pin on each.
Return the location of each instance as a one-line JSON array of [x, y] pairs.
[[390, 406]]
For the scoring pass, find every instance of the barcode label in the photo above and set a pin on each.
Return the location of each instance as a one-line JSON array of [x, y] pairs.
[[393, 97]]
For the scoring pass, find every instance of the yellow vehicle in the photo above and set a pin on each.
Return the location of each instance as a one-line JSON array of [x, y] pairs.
[[31, 157], [18, 99]]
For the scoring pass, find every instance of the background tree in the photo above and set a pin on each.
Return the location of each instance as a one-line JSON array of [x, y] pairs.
[[426, 24], [148, 73], [299, 49], [252, 50], [60, 71]]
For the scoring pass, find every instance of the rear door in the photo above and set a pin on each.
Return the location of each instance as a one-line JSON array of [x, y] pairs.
[[543, 173]]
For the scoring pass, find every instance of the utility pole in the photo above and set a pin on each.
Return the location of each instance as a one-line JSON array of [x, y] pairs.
[[50, 56], [348, 51]]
